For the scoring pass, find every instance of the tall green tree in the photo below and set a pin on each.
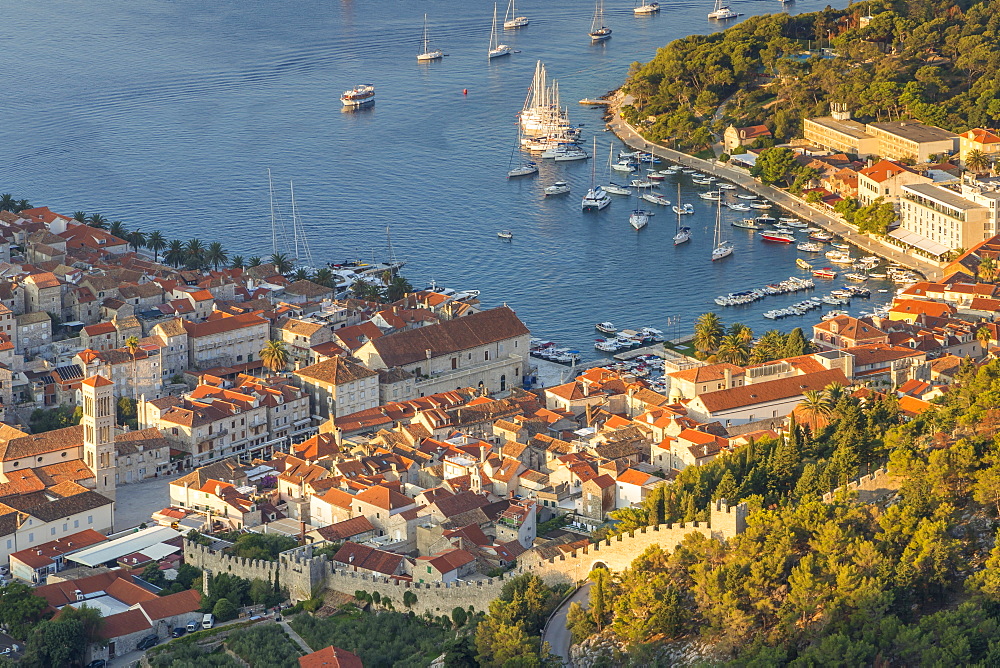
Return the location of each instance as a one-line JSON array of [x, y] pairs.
[[156, 242], [282, 263], [708, 333], [194, 254], [175, 253], [216, 255]]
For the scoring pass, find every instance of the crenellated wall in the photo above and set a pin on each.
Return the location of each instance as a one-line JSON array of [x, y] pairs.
[[305, 575]]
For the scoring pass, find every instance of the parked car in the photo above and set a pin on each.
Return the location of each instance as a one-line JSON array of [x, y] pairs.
[[178, 632], [193, 625], [97, 663], [148, 641]]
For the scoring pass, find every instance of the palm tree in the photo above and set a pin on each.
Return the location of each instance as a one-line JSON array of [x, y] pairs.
[[976, 161], [117, 228], [80, 216], [175, 253], [397, 288], [324, 277], [987, 269], [132, 344], [99, 221], [136, 239], [984, 336], [770, 347], [733, 348], [216, 255], [834, 392], [366, 291], [236, 262], [281, 263], [816, 407], [707, 333], [194, 253], [301, 274], [21, 205], [254, 261], [156, 242], [7, 202], [274, 355]]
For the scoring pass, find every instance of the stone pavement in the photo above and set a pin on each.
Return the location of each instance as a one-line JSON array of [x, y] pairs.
[[135, 502], [295, 636]]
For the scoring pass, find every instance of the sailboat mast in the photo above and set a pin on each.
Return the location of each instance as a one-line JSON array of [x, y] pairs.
[[678, 207]]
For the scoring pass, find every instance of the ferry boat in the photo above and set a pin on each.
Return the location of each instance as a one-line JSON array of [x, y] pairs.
[[780, 237], [825, 272], [802, 264], [359, 96]]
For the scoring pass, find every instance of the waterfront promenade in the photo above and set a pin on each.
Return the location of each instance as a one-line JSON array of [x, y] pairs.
[[630, 137]]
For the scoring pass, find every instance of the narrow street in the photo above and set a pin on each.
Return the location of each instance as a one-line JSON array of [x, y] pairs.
[[783, 199]]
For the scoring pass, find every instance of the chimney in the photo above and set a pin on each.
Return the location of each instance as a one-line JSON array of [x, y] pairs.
[[727, 374], [428, 353]]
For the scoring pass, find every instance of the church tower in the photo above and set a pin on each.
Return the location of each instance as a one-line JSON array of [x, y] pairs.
[[99, 432]]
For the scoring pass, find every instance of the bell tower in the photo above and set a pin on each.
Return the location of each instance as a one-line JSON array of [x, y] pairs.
[[98, 432]]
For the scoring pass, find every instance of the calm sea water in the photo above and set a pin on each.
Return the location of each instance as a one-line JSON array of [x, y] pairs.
[[167, 114]]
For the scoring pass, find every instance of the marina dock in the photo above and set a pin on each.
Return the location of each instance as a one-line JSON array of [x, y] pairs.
[[655, 349], [786, 201]]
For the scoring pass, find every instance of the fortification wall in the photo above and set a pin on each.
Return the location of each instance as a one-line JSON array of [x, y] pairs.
[[870, 487], [305, 575]]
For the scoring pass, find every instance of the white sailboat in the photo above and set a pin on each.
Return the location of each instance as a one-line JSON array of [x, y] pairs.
[[524, 169], [639, 218], [595, 198], [683, 233], [613, 187], [496, 48], [722, 12], [598, 31], [647, 8], [511, 20], [722, 248], [428, 53]]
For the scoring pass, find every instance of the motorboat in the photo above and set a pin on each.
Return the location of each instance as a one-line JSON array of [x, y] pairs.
[[642, 183], [780, 237], [638, 219], [557, 188], [821, 236], [809, 247], [359, 96], [855, 276], [712, 195], [654, 175], [747, 196], [624, 166], [825, 272], [683, 209], [428, 53], [802, 264], [760, 205], [727, 186], [616, 189], [839, 256], [656, 198], [841, 246], [595, 198], [606, 327], [748, 224], [496, 48], [524, 170], [505, 234], [647, 8], [738, 207], [511, 20]]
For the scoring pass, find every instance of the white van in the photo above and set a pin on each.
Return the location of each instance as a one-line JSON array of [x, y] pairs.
[[193, 625], [208, 621]]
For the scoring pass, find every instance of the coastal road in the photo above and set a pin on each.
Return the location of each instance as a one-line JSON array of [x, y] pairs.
[[555, 632], [628, 135]]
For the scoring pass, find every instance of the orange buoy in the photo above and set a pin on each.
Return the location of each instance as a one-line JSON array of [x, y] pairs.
[[465, 91]]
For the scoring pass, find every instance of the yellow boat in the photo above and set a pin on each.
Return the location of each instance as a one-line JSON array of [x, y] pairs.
[[802, 264]]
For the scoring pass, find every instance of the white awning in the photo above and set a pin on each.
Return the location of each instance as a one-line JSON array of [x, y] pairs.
[[140, 541], [919, 241], [745, 158]]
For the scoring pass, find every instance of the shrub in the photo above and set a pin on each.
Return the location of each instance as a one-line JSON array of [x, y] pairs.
[[264, 645], [224, 610]]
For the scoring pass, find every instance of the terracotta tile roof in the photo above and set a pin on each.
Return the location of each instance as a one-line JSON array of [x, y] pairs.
[[911, 406], [602, 481], [883, 170], [772, 390], [450, 506], [302, 327], [447, 561], [708, 373], [980, 136], [369, 558], [633, 477], [346, 530], [54, 548], [385, 498], [44, 280], [16, 444], [330, 657], [471, 331], [880, 353], [336, 371], [223, 324], [919, 306], [849, 328], [306, 288], [180, 603], [124, 624]]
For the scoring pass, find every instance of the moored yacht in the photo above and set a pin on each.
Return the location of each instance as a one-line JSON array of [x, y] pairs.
[[647, 8], [511, 20], [557, 188], [780, 237], [722, 12], [359, 96], [638, 219], [595, 198], [496, 48]]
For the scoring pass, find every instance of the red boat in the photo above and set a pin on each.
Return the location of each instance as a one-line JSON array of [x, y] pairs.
[[825, 272], [781, 237]]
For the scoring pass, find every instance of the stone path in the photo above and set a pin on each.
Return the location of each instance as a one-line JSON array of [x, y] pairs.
[[295, 636], [787, 201], [555, 632]]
